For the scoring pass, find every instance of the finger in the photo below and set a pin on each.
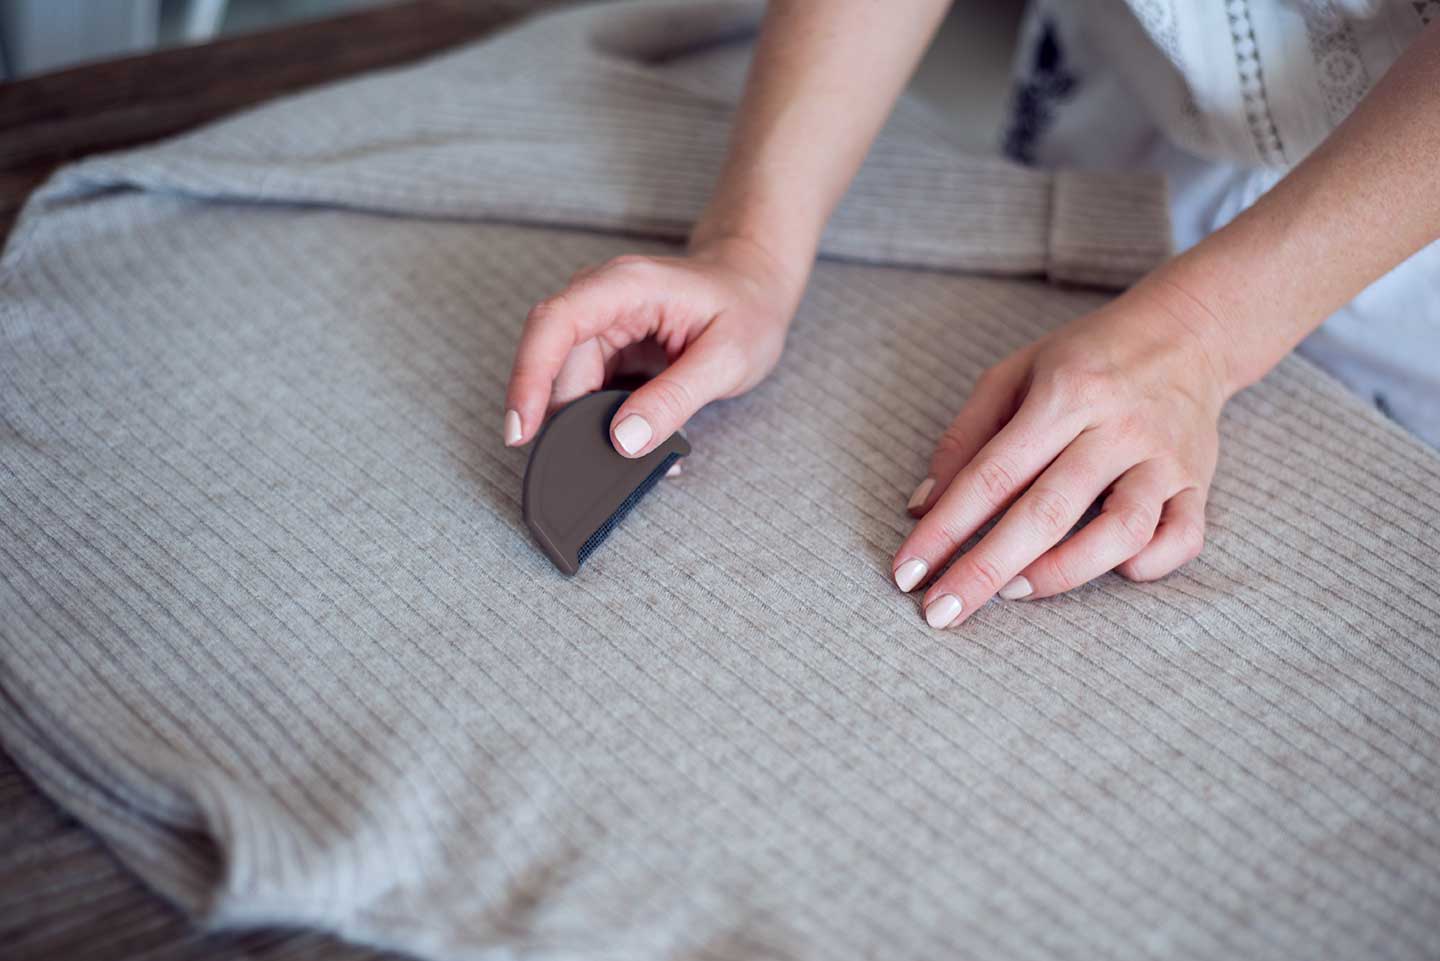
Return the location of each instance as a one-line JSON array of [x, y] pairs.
[[584, 273], [989, 406], [554, 327], [582, 372], [1003, 468], [1035, 523], [1123, 528], [551, 333], [642, 360], [1178, 539], [706, 369]]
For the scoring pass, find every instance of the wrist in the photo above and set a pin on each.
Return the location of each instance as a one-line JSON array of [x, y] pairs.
[[1248, 292], [1191, 324], [777, 277], [757, 226], [1238, 299]]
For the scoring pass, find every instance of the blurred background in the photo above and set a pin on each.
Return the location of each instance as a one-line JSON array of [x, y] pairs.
[[37, 36], [965, 77]]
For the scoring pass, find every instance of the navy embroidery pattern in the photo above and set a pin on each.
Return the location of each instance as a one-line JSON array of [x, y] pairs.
[[1033, 107]]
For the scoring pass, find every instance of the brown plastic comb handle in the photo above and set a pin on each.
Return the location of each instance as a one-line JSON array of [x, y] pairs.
[[577, 487]]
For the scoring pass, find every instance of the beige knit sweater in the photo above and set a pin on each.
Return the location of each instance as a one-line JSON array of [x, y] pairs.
[[271, 625]]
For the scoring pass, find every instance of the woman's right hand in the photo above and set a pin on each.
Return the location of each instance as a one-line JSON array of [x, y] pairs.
[[719, 314]]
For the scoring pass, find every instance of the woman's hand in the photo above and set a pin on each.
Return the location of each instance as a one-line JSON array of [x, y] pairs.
[[822, 80], [1124, 400], [718, 314], [1127, 398]]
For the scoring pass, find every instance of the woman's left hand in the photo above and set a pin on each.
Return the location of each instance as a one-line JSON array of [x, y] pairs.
[[1124, 400]]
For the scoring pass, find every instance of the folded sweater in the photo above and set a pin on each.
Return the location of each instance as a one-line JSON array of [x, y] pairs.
[[271, 625]]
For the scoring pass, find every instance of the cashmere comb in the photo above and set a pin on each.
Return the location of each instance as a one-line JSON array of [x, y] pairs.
[[577, 487]]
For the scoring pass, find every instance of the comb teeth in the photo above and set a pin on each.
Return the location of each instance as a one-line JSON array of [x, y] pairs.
[[627, 505]]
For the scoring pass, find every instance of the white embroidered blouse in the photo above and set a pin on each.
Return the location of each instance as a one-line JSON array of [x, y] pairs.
[[1225, 96], [1251, 82]]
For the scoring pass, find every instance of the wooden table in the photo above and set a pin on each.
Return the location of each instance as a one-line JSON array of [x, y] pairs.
[[50, 119]]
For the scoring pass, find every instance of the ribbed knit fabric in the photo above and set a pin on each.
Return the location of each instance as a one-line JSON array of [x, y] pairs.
[[64, 897], [273, 628], [564, 122]]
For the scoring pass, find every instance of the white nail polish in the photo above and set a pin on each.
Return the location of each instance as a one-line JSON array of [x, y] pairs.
[[633, 433], [674, 471], [943, 610], [1017, 590], [512, 428], [910, 573], [922, 491]]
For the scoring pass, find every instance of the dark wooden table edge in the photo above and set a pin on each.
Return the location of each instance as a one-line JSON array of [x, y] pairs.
[[54, 118]]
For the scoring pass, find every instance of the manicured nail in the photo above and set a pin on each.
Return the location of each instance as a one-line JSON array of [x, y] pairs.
[[1017, 590], [633, 434], [910, 573], [942, 611], [674, 471], [512, 428], [922, 491]]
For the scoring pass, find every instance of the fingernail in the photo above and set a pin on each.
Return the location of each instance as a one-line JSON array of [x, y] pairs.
[[674, 471], [1017, 590], [943, 610], [633, 434], [922, 491], [910, 573], [512, 428]]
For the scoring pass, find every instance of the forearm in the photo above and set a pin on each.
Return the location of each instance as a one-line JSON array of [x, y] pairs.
[[825, 76], [1358, 206]]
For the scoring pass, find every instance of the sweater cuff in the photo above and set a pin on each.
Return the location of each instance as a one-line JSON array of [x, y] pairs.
[[1106, 229]]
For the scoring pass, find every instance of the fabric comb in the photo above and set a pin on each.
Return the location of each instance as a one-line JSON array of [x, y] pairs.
[[577, 487]]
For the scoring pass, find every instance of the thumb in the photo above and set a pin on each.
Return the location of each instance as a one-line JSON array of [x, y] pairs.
[[705, 371]]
